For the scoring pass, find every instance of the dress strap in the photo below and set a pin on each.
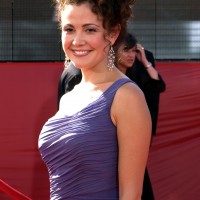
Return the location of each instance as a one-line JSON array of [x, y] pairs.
[[116, 85]]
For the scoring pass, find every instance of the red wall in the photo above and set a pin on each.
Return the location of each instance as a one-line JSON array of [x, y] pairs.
[[29, 97], [175, 155]]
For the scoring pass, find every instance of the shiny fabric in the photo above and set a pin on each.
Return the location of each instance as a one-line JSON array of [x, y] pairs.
[[81, 151]]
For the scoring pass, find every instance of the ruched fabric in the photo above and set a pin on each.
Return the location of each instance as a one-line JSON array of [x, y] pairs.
[[81, 151]]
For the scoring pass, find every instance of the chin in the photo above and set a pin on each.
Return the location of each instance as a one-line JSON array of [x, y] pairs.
[[77, 65]]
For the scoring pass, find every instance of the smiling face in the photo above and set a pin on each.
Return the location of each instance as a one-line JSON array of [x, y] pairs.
[[83, 36]]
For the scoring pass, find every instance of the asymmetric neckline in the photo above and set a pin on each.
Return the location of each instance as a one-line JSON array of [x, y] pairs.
[[96, 100]]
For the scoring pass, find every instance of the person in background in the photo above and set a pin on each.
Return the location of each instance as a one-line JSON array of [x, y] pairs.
[[94, 147], [139, 65]]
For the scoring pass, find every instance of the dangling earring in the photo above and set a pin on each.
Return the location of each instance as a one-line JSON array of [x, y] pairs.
[[66, 63], [111, 59]]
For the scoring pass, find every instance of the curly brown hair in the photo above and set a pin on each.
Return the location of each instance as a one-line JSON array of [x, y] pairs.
[[112, 12]]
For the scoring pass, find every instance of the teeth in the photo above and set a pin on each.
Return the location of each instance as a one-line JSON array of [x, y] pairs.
[[80, 52]]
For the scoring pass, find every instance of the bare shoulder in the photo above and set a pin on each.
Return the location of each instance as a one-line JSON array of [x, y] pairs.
[[67, 101], [129, 91], [63, 99], [129, 102]]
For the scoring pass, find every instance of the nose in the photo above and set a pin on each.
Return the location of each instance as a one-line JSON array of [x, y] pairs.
[[131, 54], [78, 39]]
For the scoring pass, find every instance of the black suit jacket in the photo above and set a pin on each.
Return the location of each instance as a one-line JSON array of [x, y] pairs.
[[150, 87]]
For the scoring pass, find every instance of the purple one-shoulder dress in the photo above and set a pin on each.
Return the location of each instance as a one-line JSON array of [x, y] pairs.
[[81, 151]]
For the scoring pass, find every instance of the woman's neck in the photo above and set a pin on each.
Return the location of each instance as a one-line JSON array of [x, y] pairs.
[[99, 77]]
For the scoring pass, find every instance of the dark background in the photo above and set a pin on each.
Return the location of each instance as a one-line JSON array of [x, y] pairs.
[[170, 29]]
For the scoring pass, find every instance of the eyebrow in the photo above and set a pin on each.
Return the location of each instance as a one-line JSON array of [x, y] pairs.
[[85, 25], [89, 24]]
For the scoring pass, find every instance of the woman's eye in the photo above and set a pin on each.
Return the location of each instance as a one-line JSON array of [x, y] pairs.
[[125, 50], [90, 30], [68, 30]]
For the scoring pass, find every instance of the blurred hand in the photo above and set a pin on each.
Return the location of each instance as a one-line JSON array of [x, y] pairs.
[[141, 54]]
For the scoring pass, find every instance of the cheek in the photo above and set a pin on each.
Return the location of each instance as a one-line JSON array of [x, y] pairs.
[[63, 39], [99, 46], [98, 41], [123, 56]]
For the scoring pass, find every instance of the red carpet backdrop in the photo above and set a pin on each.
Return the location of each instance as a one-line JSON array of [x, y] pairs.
[[28, 97], [174, 161]]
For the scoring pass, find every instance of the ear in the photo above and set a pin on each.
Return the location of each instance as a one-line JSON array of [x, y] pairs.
[[114, 34]]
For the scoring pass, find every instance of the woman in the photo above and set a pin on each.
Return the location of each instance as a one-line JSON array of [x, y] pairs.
[[94, 147], [131, 59]]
